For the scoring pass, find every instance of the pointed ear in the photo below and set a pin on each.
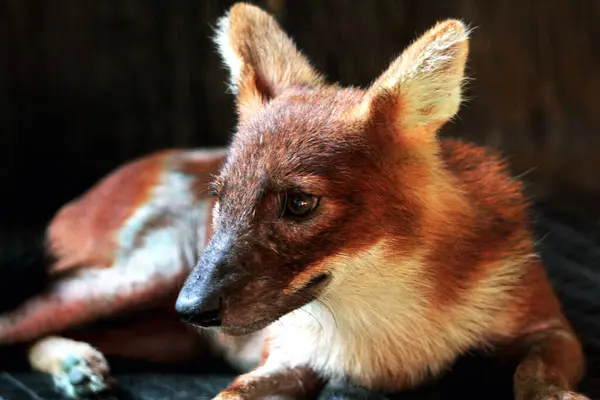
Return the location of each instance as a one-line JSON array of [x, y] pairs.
[[262, 60], [422, 87]]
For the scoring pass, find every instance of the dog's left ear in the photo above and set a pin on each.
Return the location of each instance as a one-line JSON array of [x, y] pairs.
[[262, 60], [422, 87]]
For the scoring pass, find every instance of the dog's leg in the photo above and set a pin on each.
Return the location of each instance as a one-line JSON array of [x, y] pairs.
[[77, 368], [86, 297], [77, 363], [156, 336], [549, 355], [269, 381], [551, 368], [156, 251], [140, 281]]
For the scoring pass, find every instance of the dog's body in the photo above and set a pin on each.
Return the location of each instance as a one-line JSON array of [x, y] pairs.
[[346, 240], [123, 248]]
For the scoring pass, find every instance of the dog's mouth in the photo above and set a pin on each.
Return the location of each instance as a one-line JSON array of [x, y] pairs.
[[247, 329], [286, 304], [316, 285]]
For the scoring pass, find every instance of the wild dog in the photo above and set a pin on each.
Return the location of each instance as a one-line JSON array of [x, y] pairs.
[[122, 249], [348, 240], [405, 250]]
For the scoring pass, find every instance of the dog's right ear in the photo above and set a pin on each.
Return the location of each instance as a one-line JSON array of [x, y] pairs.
[[262, 60]]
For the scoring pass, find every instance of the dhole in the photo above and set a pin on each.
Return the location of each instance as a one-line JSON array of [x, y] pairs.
[[346, 240], [405, 250]]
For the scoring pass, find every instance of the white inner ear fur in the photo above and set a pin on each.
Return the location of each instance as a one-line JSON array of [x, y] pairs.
[[427, 77]]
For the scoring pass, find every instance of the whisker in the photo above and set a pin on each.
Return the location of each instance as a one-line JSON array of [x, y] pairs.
[[312, 315], [282, 206], [267, 277], [330, 311], [526, 172], [373, 264], [196, 188]]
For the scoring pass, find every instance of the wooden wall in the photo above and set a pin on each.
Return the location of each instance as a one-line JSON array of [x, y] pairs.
[[86, 85]]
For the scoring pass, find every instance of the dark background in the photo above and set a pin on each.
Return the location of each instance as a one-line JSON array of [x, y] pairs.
[[88, 85]]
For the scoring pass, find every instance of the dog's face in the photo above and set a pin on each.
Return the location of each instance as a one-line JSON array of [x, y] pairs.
[[291, 194], [312, 172]]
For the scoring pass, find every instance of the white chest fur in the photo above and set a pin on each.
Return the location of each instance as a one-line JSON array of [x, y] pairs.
[[376, 326]]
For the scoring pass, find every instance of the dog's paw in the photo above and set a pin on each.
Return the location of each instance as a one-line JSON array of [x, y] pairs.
[[237, 396], [565, 395], [227, 395], [84, 374]]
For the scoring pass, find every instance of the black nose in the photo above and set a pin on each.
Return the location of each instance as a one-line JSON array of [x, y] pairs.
[[206, 314]]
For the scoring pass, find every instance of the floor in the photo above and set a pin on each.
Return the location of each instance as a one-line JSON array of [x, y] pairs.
[[149, 386], [475, 377], [28, 386]]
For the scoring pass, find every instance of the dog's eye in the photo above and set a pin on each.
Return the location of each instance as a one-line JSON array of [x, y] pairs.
[[300, 204]]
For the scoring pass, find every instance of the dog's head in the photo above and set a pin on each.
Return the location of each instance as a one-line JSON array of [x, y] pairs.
[[315, 172]]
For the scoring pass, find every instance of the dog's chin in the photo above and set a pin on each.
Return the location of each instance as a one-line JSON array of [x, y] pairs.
[[286, 305], [246, 329]]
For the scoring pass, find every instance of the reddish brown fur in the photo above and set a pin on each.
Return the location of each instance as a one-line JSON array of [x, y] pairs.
[[203, 169], [85, 234], [491, 229], [82, 234], [299, 383], [316, 167]]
